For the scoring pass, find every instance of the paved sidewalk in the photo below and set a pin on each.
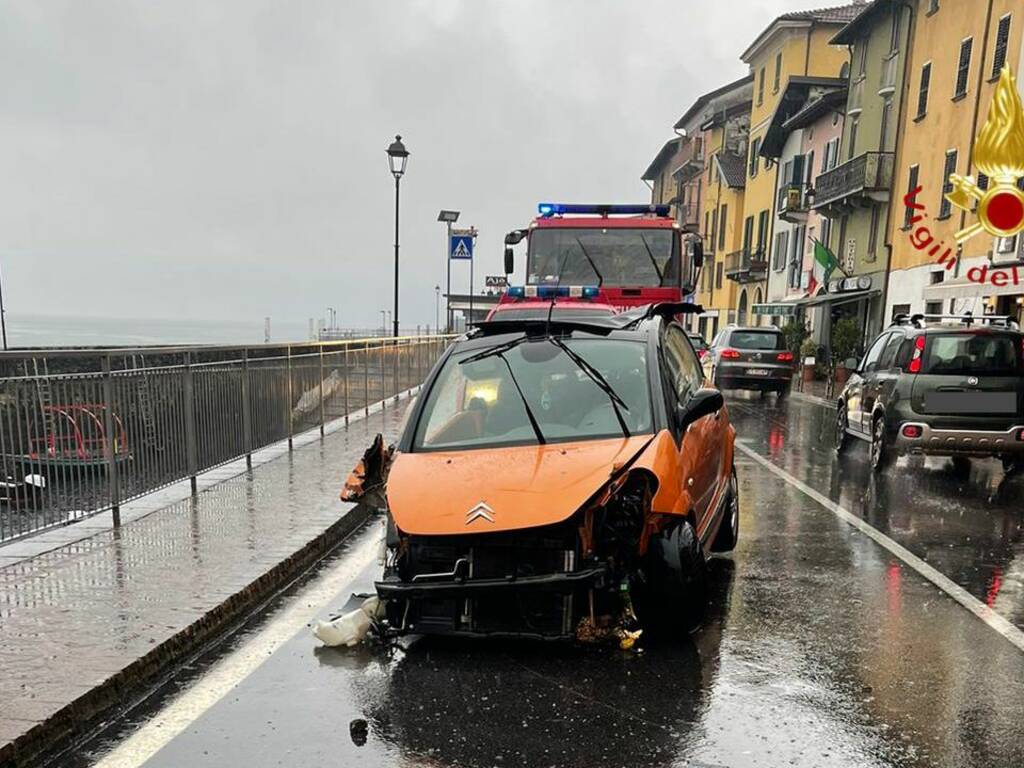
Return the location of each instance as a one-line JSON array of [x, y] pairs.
[[112, 608]]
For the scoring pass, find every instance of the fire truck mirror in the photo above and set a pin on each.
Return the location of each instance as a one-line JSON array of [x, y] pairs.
[[509, 261], [514, 237]]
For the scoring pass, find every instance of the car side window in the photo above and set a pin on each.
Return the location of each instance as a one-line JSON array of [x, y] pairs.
[[685, 373], [888, 359], [871, 359]]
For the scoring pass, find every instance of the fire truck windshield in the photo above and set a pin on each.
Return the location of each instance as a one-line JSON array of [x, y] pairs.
[[608, 257]]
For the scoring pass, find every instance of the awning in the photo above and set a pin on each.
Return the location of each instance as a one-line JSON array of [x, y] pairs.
[[782, 308], [962, 288], [835, 299]]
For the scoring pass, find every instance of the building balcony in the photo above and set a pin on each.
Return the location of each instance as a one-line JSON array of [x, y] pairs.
[[746, 266], [688, 216], [794, 202], [867, 177], [890, 70]]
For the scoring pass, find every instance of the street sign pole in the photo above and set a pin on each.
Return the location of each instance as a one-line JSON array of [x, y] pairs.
[[471, 286], [448, 295]]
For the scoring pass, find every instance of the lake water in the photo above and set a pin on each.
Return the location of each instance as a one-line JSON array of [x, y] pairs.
[[55, 330]]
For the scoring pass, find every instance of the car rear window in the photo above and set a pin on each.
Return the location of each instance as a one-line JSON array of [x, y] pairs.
[[979, 354], [755, 340]]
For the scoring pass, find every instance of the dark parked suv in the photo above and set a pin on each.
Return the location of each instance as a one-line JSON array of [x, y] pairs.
[[750, 358], [938, 386]]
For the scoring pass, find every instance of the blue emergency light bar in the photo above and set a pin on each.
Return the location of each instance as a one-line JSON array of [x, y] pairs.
[[553, 292], [554, 209]]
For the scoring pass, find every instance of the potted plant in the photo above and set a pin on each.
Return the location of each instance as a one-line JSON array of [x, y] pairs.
[[845, 338], [808, 352]]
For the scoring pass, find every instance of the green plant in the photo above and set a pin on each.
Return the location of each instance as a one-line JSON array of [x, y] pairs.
[[845, 339], [808, 349], [795, 333]]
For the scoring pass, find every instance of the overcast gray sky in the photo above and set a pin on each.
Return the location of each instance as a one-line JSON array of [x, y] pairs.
[[218, 160]]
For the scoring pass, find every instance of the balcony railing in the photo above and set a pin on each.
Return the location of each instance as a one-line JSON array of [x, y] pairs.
[[794, 202], [688, 216], [890, 69], [867, 175], [746, 265]]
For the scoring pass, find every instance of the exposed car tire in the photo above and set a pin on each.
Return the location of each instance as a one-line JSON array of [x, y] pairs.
[[842, 425], [729, 530], [881, 451], [673, 596]]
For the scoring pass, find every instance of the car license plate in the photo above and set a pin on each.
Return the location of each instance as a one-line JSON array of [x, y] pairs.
[[757, 371], [971, 402]]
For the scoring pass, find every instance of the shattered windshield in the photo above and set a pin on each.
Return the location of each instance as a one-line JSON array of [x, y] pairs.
[[611, 257], [477, 404]]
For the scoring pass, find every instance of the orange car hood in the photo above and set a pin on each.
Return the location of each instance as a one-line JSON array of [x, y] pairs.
[[523, 486]]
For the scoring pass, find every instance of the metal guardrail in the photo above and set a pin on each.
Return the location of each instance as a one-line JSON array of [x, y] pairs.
[[112, 425]]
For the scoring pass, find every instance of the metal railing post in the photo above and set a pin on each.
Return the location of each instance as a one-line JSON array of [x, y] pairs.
[[288, 403], [396, 366], [383, 384], [109, 438], [321, 348], [366, 379], [191, 452], [344, 368], [246, 412]]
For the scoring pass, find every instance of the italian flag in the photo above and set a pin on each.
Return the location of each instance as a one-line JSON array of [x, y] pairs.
[[824, 258]]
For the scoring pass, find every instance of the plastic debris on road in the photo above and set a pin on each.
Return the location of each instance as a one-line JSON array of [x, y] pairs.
[[350, 628]]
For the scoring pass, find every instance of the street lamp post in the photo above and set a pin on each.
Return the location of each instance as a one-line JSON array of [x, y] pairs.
[[449, 218], [383, 323], [398, 156], [437, 308]]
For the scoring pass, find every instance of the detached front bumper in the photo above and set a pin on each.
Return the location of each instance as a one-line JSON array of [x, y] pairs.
[[961, 442]]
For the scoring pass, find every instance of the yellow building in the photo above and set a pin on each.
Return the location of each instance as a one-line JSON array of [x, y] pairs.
[[794, 44], [957, 50]]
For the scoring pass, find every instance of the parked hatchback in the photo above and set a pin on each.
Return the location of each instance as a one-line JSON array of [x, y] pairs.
[[750, 358], [938, 387]]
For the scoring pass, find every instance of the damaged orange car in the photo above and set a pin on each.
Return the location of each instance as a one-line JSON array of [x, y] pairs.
[[559, 479]]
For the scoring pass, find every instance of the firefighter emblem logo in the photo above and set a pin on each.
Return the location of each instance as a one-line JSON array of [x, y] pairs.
[[999, 154]]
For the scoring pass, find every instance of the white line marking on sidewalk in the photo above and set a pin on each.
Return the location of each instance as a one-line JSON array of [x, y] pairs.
[[215, 684], [951, 588]]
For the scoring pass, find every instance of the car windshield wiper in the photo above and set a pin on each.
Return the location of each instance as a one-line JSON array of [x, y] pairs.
[[500, 351], [654, 261], [593, 266], [598, 379]]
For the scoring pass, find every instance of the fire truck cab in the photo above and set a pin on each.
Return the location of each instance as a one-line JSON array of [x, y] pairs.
[[634, 254]]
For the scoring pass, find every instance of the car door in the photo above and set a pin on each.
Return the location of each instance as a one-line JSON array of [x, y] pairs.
[[888, 371], [701, 445], [863, 390]]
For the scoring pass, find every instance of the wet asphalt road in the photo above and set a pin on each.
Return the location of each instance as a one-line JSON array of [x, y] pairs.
[[821, 649]]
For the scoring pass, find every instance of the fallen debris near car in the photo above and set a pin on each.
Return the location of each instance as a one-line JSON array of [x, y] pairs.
[[350, 628]]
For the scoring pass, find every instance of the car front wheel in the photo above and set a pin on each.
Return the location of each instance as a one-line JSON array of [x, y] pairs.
[[673, 595], [842, 425], [881, 452]]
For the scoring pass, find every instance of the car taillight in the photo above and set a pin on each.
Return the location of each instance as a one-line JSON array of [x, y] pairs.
[[915, 361], [1020, 436], [730, 354], [702, 354], [785, 357], [912, 431]]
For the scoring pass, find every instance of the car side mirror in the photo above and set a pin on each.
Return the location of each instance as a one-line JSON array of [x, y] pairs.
[[851, 364], [510, 261], [703, 402]]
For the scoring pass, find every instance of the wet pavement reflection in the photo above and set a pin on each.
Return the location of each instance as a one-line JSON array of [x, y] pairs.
[[820, 649], [969, 526]]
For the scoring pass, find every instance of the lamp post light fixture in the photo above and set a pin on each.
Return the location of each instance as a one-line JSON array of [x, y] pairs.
[[398, 156], [449, 218]]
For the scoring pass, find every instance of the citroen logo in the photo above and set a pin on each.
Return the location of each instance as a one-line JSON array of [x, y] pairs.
[[973, 381], [480, 510]]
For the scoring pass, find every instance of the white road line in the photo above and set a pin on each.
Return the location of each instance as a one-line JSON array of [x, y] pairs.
[[215, 684], [954, 590]]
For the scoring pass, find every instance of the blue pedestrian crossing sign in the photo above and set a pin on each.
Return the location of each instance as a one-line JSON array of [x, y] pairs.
[[461, 247]]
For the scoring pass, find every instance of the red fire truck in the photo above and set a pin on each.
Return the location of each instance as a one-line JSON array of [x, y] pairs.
[[634, 254]]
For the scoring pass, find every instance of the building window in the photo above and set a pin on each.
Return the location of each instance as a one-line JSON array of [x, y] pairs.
[[714, 227], [900, 309], [886, 124], [1006, 244], [854, 125], [755, 149], [963, 68], [826, 233], [1002, 41], [933, 308], [778, 72], [936, 277], [748, 233], [781, 251], [873, 233], [721, 227], [707, 230], [908, 212], [762, 232], [983, 182], [945, 207], [922, 92], [719, 269], [830, 158], [861, 59], [760, 87], [796, 257], [894, 31]]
